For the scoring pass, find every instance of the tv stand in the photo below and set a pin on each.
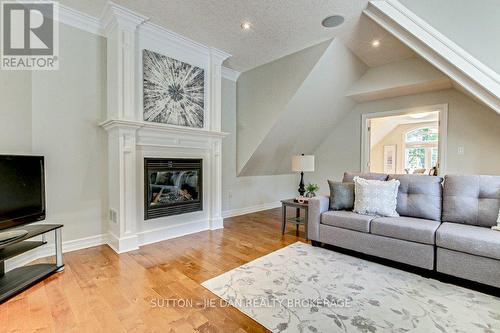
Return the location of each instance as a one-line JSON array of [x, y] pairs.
[[23, 277], [9, 235]]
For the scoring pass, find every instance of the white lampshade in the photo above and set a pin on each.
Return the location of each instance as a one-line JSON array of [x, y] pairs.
[[303, 163]]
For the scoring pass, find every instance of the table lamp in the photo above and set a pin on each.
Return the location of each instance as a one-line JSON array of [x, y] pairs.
[[302, 163]]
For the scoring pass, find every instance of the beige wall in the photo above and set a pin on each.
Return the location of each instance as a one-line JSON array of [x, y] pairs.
[[307, 118], [245, 192], [470, 125], [395, 137], [56, 114], [263, 94], [15, 111]]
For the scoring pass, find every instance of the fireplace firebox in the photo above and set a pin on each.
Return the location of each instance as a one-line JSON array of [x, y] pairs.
[[172, 186]]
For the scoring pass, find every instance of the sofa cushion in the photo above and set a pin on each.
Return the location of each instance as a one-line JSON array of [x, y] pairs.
[[419, 196], [405, 228], [470, 239], [473, 200], [341, 195], [347, 220], [349, 176], [375, 197]]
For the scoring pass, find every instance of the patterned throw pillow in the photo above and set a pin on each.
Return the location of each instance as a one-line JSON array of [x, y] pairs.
[[375, 197], [341, 195]]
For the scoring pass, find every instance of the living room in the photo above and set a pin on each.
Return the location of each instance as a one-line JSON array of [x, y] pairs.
[[236, 166]]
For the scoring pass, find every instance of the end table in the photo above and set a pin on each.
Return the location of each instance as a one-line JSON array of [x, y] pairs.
[[297, 220]]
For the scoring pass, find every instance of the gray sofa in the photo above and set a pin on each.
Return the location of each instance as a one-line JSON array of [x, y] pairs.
[[443, 226]]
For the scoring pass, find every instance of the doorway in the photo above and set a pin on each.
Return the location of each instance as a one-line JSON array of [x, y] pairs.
[[411, 141]]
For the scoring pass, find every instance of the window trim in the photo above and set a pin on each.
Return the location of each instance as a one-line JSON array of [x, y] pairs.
[[443, 132]]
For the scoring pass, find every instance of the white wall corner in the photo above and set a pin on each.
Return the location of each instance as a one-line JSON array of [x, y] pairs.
[[218, 56], [230, 74], [123, 244]]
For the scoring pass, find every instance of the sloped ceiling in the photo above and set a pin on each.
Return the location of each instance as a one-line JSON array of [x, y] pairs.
[[264, 92], [315, 108], [473, 25], [405, 77], [380, 127]]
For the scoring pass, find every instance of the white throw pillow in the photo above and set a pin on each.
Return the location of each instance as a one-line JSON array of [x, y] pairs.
[[376, 197]]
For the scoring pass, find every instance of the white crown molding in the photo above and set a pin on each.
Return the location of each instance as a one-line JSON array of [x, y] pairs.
[[218, 55], [125, 18], [161, 34], [115, 14], [80, 20], [230, 74], [456, 63]]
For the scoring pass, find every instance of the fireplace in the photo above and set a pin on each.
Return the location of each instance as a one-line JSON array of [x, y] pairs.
[[172, 187]]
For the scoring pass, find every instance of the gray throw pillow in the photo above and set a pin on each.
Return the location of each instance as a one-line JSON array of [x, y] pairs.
[[341, 195]]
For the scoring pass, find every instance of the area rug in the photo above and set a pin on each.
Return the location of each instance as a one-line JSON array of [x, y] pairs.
[[302, 288]]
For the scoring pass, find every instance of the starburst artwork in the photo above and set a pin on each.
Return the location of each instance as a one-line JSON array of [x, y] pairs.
[[174, 91]]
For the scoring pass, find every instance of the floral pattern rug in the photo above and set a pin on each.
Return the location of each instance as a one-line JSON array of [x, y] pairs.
[[302, 288]]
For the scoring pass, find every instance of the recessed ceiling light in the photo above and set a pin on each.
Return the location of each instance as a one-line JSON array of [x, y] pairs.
[[375, 43], [246, 25], [333, 21]]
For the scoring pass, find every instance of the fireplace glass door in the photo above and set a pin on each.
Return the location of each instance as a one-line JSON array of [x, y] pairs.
[[172, 186]]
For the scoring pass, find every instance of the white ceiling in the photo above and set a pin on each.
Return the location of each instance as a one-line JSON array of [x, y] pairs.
[[279, 27], [380, 127]]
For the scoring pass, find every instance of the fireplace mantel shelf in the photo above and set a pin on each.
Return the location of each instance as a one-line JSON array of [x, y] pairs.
[[139, 125]]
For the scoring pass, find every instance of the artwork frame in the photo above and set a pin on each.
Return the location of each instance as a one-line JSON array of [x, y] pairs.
[[173, 91], [390, 156]]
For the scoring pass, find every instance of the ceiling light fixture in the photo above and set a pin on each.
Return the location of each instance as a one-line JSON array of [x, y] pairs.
[[333, 21], [246, 25], [375, 43]]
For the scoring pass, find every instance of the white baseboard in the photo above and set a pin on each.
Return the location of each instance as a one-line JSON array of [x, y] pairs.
[[171, 231], [48, 250], [251, 209], [132, 243], [123, 244]]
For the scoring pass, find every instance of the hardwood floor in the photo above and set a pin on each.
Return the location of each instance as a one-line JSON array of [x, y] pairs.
[[101, 291]]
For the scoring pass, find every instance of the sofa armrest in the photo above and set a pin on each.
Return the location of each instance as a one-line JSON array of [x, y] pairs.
[[317, 206]]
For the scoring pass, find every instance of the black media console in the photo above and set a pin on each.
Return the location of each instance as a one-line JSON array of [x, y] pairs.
[[23, 277]]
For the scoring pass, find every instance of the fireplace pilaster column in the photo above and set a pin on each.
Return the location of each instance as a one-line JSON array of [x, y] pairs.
[[120, 28], [122, 182], [216, 59]]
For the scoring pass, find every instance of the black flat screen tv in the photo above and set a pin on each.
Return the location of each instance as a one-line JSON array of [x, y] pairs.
[[22, 190]]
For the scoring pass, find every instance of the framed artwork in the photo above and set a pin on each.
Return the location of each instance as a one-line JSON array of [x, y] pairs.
[[174, 91], [390, 159]]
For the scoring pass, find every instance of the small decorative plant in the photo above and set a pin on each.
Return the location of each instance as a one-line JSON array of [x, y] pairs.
[[311, 190]]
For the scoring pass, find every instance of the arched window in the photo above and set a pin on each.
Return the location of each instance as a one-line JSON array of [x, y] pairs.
[[424, 134], [421, 149]]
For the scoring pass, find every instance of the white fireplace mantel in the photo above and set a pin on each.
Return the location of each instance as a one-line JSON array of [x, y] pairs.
[[162, 128], [131, 139]]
